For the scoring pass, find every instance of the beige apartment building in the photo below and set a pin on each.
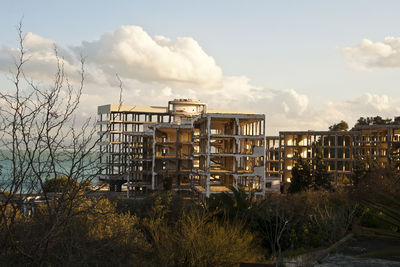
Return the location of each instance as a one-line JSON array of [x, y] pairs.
[[184, 147], [339, 149]]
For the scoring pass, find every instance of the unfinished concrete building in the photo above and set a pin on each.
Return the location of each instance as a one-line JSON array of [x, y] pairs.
[[229, 151], [378, 142], [340, 150], [336, 148], [181, 147], [115, 123]]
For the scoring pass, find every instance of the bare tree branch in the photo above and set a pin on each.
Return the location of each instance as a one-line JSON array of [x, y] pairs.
[[40, 140]]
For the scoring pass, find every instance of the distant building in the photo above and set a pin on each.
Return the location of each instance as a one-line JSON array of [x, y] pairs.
[[184, 147], [339, 149]]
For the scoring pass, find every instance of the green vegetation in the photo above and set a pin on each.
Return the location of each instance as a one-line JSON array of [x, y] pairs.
[[341, 126], [63, 184], [302, 179], [377, 120], [82, 239], [308, 174], [389, 214], [363, 169], [322, 178], [165, 230], [378, 191], [197, 239]]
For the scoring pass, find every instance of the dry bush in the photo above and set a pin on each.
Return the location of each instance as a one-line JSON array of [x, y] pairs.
[[95, 235], [196, 239]]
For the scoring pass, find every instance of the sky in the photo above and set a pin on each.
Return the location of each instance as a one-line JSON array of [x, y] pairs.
[[304, 64]]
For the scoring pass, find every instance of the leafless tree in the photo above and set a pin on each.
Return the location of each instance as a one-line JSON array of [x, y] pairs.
[[40, 139]]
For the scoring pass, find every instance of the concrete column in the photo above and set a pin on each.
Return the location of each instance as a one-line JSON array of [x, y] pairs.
[[280, 160], [153, 174], [208, 156], [263, 182], [336, 159]]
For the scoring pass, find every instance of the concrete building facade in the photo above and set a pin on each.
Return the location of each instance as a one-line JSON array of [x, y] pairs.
[[229, 151], [340, 150], [183, 146]]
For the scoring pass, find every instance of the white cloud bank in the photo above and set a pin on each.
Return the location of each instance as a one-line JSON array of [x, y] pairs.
[[157, 69], [134, 54], [42, 61], [369, 54]]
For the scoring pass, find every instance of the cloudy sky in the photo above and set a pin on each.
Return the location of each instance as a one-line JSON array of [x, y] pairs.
[[305, 64]]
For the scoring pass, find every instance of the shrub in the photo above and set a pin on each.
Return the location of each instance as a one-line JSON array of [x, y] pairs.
[[199, 240], [307, 220], [60, 184], [91, 233]]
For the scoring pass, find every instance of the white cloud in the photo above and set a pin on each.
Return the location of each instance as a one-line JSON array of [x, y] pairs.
[[373, 102], [157, 69], [367, 105], [167, 91], [370, 54], [42, 62], [134, 54]]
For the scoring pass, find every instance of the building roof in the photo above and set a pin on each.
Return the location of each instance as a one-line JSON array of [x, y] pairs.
[[319, 132], [154, 109], [131, 108], [375, 127], [221, 111]]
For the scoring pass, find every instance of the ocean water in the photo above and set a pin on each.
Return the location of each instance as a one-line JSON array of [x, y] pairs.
[[85, 169]]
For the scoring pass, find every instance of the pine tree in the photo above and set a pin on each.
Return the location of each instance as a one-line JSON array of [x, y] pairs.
[[308, 174], [302, 174], [362, 168], [322, 178]]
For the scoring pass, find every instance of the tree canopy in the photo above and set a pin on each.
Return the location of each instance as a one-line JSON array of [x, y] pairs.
[[341, 126], [64, 184], [301, 176], [377, 120], [307, 174], [322, 178]]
